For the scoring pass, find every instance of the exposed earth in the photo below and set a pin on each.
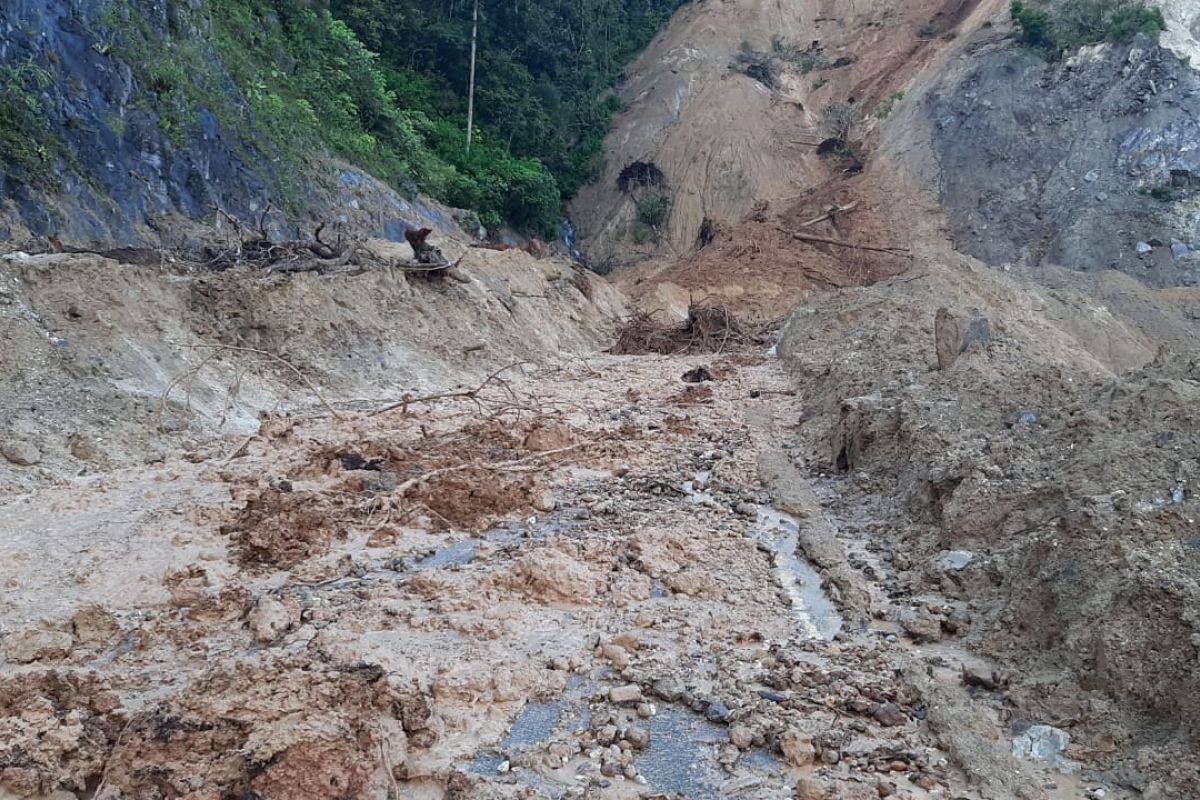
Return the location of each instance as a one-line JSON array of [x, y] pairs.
[[869, 473]]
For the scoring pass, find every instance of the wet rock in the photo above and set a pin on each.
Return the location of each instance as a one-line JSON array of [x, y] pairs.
[[629, 694], [269, 620], [889, 715], [94, 626], [797, 748], [21, 453], [920, 625], [37, 644]]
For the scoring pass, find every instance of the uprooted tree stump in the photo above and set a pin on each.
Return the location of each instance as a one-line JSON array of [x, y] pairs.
[[709, 327]]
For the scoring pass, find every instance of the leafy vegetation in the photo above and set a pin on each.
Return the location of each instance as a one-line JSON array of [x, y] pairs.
[[1054, 28], [1163, 194], [757, 65], [885, 108], [382, 84], [23, 130]]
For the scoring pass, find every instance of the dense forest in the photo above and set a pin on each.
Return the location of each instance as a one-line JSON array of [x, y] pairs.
[[383, 84]]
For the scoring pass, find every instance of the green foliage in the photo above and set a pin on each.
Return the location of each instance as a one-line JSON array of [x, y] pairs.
[[885, 108], [653, 209], [382, 84], [1163, 194], [927, 31], [1063, 25], [24, 132], [757, 65], [806, 60]]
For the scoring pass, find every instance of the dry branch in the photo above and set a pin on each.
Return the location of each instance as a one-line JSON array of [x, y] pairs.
[[804, 237]]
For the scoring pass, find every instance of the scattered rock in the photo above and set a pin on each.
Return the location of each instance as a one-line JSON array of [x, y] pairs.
[[667, 689], [544, 501], [952, 560], [94, 626], [889, 715], [21, 453], [717, 712], [269, 620], [975, 675], [741, 737], [920, 625], [811, 789], [629, 694], [797, 748], [37, 644], [617, 655], [1142, 248], [1042, 743], [638, 737]]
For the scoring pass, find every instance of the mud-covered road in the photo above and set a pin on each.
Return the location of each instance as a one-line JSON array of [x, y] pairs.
[[587, 580]]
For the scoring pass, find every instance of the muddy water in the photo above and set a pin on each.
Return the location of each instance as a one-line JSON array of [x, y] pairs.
[[780, 534]]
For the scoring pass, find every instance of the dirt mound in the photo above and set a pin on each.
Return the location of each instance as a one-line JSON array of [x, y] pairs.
[[114, 363], [1050, 463]]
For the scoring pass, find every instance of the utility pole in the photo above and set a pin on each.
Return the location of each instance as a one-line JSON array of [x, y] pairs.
[[471, 87]]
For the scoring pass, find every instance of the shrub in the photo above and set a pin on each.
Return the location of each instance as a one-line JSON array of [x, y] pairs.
[[653, 209], [757, 65], [1071, 24]]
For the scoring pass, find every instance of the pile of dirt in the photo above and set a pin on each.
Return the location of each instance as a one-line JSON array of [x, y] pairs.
[[1051, 460], [112, 364]]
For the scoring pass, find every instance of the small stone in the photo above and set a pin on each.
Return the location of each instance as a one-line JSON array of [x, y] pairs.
[[646, 710], [269, 620], [625, 695], [545, 501], [811, 789], [94, 626], [926, 782], [920, 625], [717, 712], [504, 767], [747, 510], [608, 769], [1092, 176], [638, 737], [630, 772], [37, 644], [830, 756], [797, 748], [741, 736], [668, 689], [616, 654], [21, 453], [885, 789], [606, 735], [1142, 248], [898, 766], [889, 715]]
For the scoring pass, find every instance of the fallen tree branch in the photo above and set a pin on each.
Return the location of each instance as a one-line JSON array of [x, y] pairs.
[[830, 214], [804, 237], [468, 394], [412, 483], [280, 360]]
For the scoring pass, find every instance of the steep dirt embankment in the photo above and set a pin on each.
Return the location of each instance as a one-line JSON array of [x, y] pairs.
[[727, 142], [107, 363]]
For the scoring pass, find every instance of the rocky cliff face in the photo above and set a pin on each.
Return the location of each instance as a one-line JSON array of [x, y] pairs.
[[1092, 163], [94, 162]]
